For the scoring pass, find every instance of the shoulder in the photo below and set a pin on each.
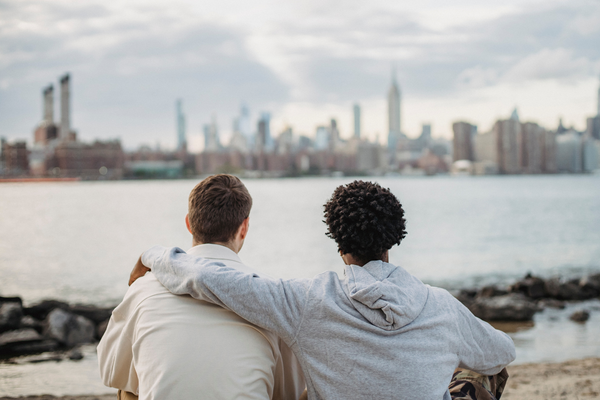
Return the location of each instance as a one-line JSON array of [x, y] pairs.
[[443, 299], [142, 289]]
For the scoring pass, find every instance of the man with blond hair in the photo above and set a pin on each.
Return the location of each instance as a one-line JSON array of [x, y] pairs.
[[162, 346]]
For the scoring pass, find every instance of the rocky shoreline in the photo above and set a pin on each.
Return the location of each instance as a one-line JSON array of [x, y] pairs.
[[50, 326], [521, 300], [57, 328]]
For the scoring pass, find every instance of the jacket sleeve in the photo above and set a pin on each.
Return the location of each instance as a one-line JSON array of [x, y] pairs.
[[482, 348], [273, 304], [115, 355]]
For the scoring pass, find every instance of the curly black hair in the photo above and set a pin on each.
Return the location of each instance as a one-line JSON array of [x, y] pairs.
[[365, 220]]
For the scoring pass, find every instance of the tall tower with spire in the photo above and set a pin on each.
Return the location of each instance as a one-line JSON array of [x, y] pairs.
[[394, 117]]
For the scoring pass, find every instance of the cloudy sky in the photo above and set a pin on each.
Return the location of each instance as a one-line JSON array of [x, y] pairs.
[[304, 62]]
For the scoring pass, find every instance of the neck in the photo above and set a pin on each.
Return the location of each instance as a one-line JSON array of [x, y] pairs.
[[350, 259]]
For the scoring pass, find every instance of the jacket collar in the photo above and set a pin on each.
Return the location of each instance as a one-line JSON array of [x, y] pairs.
[[214, 251]]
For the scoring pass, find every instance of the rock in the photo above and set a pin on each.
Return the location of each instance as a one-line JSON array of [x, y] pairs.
[[571, 290], [10, 316], [490, 291], [40, 311], [22, 341], [509, 307], [11, 300], [19, 335], [34, 347], [92, 313], [69, 329], [75, 354], [530, 286], [551, 303], [101, 329], [29, 322], [466, 297], [580, 316], [591, 285]]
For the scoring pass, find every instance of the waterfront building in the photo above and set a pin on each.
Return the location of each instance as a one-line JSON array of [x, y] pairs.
[[486, 153], [590, 154], [462, 142], [593, 127], [598, 103], [334, 135], [533, 140], [356, 110], [46, 130], [370, 157], [322, 138], [394, 116], [245, 125], [509, 135], [238, 141], [285, 142], [264, 141], [211, 136], [86, 160], [181, 137], [569, 152], [549, 152], [14, 158]]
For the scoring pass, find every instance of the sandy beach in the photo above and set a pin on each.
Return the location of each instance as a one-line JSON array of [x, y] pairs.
[[576, 379]]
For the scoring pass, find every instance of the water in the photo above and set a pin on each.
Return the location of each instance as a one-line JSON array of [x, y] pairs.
[[78, 242]]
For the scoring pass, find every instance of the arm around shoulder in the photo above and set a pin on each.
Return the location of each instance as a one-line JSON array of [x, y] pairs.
[[274, 304]]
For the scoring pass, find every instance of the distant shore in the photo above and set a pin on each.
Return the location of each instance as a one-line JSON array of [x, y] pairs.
[[542, 381]]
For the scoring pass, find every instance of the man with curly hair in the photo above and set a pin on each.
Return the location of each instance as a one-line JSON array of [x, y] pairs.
[[378, 333]]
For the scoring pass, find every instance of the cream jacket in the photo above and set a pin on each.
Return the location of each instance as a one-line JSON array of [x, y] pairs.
[[163, 346]]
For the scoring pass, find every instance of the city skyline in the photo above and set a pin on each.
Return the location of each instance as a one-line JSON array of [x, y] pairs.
[[304, 64]]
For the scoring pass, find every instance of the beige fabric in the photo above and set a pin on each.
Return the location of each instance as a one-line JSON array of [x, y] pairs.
[[162, 346], [121, 395]]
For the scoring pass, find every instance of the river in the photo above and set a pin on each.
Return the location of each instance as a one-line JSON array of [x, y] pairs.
[[78, 241]]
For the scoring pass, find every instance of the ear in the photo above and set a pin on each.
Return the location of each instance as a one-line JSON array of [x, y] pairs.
[[244, 227], [344, 258], [187, 223]]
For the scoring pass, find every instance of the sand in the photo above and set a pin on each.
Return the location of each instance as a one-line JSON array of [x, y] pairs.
[[577, 379], [570, 380]]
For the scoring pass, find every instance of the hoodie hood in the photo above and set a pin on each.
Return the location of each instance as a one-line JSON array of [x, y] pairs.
[[386, 295]]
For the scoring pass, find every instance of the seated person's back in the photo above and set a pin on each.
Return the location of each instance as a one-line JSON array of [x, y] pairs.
[[164, 346], [174, 347]]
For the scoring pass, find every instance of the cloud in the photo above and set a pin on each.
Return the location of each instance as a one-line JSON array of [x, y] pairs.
[[559, 64], [130, 60], [127, 67]]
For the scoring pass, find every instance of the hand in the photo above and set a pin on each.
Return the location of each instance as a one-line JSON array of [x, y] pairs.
[[138, 271]]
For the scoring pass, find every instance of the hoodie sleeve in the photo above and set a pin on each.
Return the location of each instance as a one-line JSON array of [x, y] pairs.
[[273, 304], [482, 348]]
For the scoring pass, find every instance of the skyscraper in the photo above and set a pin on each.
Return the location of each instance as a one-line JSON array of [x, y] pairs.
[[357, 121], [244, 124], [598, 111], [181, 140], [394, 118], [463, 141], [211, 136], [65, 100], [264, 140]]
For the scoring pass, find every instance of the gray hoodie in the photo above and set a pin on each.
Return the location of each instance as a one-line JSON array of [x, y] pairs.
[[379, 333]]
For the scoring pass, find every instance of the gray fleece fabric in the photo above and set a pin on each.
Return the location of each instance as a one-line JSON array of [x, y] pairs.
[[379, 333]]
